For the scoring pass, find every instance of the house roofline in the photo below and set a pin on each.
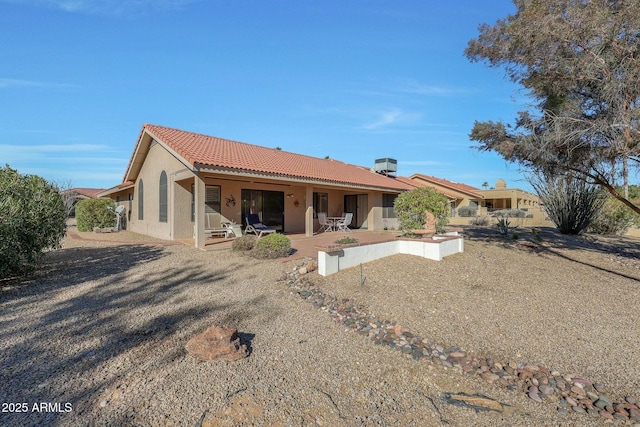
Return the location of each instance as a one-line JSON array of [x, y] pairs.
[[290, 178]]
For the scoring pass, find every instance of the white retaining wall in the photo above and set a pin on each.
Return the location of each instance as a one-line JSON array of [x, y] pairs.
[[332, 262]]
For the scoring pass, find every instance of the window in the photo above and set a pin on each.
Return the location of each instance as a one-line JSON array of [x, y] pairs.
[[211, 200], [387, 205], [140, 200], [162, 197], [320, 203]]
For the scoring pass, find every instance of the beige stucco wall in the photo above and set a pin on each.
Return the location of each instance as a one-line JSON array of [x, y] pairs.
[[513, 198], [158, 159], [231, 190]]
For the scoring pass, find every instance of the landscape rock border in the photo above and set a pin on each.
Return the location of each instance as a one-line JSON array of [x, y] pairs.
[[537, 382]]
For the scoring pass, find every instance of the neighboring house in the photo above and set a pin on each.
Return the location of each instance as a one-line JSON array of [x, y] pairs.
[[501, 197], [485, 202], [73, 195], [174, 177], [459, 194]]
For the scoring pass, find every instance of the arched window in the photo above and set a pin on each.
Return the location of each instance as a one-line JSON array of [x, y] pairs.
[[162, 214], [140, 200]]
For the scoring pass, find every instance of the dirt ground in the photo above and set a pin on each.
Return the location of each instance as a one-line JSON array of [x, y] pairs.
[[102, 327]]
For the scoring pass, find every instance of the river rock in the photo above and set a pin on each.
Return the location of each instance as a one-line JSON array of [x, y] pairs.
[[546, 389]]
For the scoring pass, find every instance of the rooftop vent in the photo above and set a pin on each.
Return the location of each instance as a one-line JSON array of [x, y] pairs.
[[386, 166]]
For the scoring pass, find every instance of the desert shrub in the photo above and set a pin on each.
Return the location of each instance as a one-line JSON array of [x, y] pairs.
[[613, 218], [511, 213], [504, 226], [272, 246], [481, 221], [32, 220], [244, 243], [571, 204], [91, 213], [411, 206], [467, 211], [346, 241]]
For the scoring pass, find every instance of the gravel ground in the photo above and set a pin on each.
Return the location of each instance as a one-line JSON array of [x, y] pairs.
[[102, 327]]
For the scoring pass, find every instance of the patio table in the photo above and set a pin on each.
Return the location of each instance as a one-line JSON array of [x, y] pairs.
[[334, 220]]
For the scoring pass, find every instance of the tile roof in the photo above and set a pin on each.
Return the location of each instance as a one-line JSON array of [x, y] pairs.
[[212, 152], [456, 186], [88, 192]]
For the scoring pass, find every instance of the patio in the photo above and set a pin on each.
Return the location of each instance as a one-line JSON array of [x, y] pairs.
[[306, 246]]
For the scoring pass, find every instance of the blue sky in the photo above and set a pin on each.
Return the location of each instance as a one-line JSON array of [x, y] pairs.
[[353, 80]]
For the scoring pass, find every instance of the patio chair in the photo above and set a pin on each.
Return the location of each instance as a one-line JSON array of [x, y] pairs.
[[213, 226], [255, 226], [343, 225], [325, 224]]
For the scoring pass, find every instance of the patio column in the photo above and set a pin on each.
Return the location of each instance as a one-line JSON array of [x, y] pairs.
[[308, 216], [199, 189]]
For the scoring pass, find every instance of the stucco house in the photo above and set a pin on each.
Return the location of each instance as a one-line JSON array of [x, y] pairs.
[[485, 202], [174, 177], [501, 197]]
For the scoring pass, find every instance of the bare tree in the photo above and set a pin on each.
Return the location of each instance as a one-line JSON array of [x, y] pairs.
[[69, 196]]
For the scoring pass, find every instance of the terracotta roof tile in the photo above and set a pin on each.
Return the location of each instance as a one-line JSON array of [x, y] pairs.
[[456, 186], [210, 151], [88, 192]]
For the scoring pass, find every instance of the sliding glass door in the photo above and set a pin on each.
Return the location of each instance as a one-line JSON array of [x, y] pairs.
[[269, 205], [357, 204]]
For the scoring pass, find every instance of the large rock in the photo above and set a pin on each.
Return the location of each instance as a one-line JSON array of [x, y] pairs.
[[217, 343]]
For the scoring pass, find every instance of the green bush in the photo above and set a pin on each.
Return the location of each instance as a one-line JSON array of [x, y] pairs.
[[613, 218], [272, 246], [244, 243], [32, 219], [91, 213], [467, 211], [411, 206]]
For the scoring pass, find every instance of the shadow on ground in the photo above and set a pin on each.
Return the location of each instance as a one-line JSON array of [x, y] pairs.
[[548, 241], [100, 304]]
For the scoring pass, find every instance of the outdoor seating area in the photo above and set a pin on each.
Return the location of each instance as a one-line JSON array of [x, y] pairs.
[[334, 223], [255, 226]]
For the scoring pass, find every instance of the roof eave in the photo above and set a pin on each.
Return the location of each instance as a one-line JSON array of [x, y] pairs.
[[290, 178], [114, 190]]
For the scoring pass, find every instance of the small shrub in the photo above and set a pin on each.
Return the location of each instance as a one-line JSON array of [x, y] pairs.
[[536, 234], [613, 218], [515, 236], [467, 211], [504, 226], [481, 221], [346, 241], [91, 213], [244, 243], [511, 213], [272, 246]]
